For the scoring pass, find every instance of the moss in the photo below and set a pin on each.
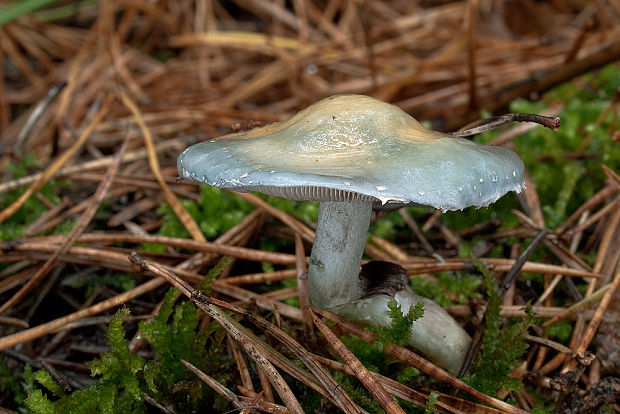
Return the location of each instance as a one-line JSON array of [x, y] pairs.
[[213, 274], [174, 335], [376, 361], [124, 378], [45, 378], [450, 288], [33, 208], [91, 282], [117, 390], [560, 331], [501, 348], [430, 404], [15, 384], [400, 329]]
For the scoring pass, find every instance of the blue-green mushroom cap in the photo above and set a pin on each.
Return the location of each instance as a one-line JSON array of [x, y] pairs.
[[351, 147]]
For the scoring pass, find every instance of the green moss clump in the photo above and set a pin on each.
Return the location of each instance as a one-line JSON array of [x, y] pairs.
[[213, 274], [430, 404], [358, 393], [33, 208], [501, 349], [124, 378], [400, 329], [45, 378], [397, 333], [16, 384], [216, 211], [376, 361], [560, 331], [118, 389], [450, 288], [174, 335]]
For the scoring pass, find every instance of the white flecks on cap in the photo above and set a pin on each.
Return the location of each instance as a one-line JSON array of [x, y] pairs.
[[355, 147]]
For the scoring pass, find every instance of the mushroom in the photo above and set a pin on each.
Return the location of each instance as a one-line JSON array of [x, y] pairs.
[[350, 152]]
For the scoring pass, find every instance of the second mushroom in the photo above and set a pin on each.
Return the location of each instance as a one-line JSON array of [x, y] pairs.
[[350, 152]]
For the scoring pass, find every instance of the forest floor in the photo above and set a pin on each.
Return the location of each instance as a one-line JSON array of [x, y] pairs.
[[99, 98]]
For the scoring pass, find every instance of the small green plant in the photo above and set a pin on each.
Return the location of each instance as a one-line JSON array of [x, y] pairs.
[[501, 349], [450, 288], [371, 356], [124, 378], [33, 208], [560, 331], [117, 390], [215, 212], [430, 404], [166, 378], [400, 329], [397, 333], [16, 384]]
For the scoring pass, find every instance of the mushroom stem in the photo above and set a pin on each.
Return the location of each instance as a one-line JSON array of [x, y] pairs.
[[337, 252], [436, 334], [335, 283]]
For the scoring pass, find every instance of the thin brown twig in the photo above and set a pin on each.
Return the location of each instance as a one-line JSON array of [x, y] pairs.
[[44, 243], [57, 164], [472, 14], [393, 387], [409, 357], [579, 306], [216, 386], [513, 311], [256, 278], [232, 328], [262, 301], [176, 205], [35, 115], [302, 283], [5, 109], [242, 366], [79, 227], [52, 326], [253, 400], [360, 371], [591, 329], [499, 265], [608, 209], [497, 121], [578, 42], [413, 226], [502, 288]]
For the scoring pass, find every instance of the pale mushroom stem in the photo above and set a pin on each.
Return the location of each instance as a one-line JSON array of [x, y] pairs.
[[337, 252], [334, 284]]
